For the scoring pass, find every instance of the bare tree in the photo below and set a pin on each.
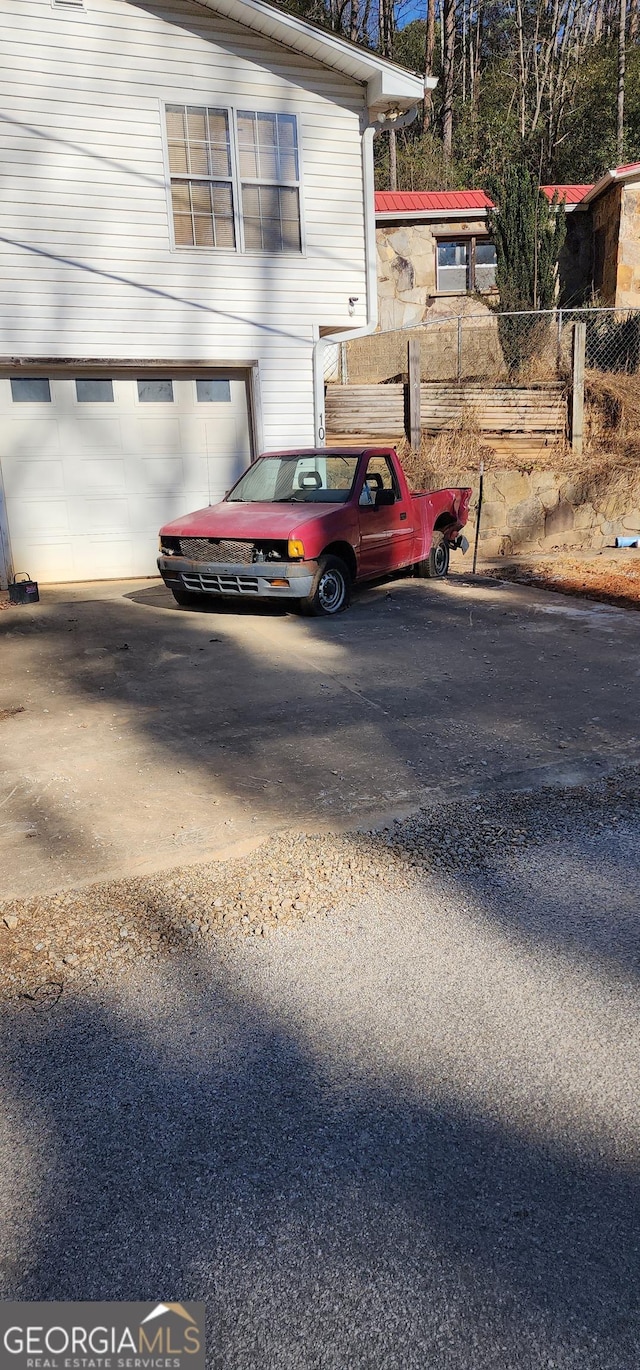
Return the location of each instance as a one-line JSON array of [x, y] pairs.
[[448, 74], [430, 49], [622, 53]]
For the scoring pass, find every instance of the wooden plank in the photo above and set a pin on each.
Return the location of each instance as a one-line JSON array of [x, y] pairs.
[[577, 386]]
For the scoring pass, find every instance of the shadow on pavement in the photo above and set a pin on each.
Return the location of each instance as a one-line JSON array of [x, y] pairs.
[[203, 1154]]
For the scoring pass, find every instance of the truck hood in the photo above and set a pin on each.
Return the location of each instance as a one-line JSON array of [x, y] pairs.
[[251, 522]]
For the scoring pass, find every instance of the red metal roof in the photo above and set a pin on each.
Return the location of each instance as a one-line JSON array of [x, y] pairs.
[[571, 195], [631, 166], [427, 201], [431, 201]]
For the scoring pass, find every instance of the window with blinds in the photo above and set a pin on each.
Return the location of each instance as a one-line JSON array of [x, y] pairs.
[[201, 179], [268, 149], [234, 185]]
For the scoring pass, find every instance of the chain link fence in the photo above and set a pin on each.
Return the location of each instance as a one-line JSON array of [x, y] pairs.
[[508, 348]]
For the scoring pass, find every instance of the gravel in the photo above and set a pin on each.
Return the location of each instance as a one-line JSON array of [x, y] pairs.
[[91, 933]]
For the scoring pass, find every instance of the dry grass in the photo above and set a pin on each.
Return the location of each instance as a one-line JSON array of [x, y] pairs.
[[439, 459], [613, 415]]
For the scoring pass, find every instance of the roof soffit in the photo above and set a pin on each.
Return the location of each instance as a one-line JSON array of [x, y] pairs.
[[388, 87]]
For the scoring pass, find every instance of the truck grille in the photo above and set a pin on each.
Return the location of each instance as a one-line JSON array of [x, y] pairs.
[[209, 549], [222, 584]]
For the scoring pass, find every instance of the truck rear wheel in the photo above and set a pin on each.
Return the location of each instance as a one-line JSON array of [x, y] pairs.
[[436, 565], [331, 589]]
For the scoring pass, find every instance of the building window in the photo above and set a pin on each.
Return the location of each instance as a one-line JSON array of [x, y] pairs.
[[253, 209], [466, 265], [485, 262], [30, 390], [213, 391], [268, 149], [201, 184], [155, 392], [453, 266], [94, 392]]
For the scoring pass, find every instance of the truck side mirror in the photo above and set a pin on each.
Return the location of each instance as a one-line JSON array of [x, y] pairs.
[[384, 497]]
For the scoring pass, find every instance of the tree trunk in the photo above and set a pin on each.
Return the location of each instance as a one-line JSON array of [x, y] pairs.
[[386, 18], [393, 160], [448, 75], [430, 49], [622, 25], [634, 21], [354, 21]]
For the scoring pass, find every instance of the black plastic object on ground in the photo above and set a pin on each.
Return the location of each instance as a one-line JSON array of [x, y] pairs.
[[23, 591]]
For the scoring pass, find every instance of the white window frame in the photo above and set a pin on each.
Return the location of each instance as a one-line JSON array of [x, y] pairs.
[[470, 241], [236, 180]]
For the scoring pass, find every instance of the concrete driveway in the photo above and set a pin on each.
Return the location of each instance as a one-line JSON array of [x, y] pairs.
[[150, 736]]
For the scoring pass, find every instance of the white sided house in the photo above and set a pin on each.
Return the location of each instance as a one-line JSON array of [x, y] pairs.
[[187, 212]]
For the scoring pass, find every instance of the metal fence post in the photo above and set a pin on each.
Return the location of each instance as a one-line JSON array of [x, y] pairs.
[[413, 366], [459, 347], [577, 387], [559, 360]]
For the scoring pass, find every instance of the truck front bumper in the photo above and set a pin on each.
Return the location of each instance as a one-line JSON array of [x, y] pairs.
[[258, 580]]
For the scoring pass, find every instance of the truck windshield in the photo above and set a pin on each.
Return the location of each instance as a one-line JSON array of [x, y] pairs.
[[297, 480]]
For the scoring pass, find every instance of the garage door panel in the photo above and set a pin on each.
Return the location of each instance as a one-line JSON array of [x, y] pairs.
[[148, 515], [223, 439], [99, 475], [100, 515], [104, 558], [193, 435], [158, 475], [30, 435], [36, 518], [89, 484], [33, 478], [157, 435], [92, 437], [46, 561]]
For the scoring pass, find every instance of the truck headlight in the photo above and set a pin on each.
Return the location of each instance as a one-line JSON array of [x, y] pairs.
[[295, 550]]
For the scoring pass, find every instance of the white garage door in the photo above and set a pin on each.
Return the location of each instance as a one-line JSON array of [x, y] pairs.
[[93, 465]]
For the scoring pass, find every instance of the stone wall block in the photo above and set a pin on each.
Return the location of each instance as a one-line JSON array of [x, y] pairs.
[[512, 485], [585, 517], [559, 521], [494, 514], [527, 517]]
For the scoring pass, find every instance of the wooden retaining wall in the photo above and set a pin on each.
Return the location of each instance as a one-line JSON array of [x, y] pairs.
[[380, 411]]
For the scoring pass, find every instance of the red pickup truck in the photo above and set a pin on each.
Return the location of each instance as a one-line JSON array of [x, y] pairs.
[[307, 525]]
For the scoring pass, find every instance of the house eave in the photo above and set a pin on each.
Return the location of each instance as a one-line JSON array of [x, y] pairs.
[[614, 176], [428, 215], [388, 87]]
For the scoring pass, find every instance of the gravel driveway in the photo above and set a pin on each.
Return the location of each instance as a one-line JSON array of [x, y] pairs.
[[400, 1130]]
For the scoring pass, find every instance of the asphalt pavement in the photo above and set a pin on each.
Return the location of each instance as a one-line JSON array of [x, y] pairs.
[[403, 1134]]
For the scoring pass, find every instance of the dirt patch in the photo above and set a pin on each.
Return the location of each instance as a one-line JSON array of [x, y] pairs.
[[611, 578], [11, 712]]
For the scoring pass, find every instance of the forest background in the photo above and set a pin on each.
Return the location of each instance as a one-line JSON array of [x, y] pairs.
[[553, 85]]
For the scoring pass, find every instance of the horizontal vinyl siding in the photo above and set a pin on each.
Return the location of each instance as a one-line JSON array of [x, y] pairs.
[[86, 268]]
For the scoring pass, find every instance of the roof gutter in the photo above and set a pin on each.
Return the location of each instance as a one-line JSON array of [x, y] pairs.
[[380, 124], [401, 215], [610, 178]]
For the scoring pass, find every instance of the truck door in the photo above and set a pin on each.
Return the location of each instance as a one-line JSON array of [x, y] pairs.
[[386, 521]]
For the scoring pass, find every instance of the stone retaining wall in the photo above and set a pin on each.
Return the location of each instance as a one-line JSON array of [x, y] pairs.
[[541, 510]]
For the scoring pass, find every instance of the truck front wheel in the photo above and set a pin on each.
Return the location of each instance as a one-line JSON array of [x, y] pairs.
[[436, 565], [331, 589]]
